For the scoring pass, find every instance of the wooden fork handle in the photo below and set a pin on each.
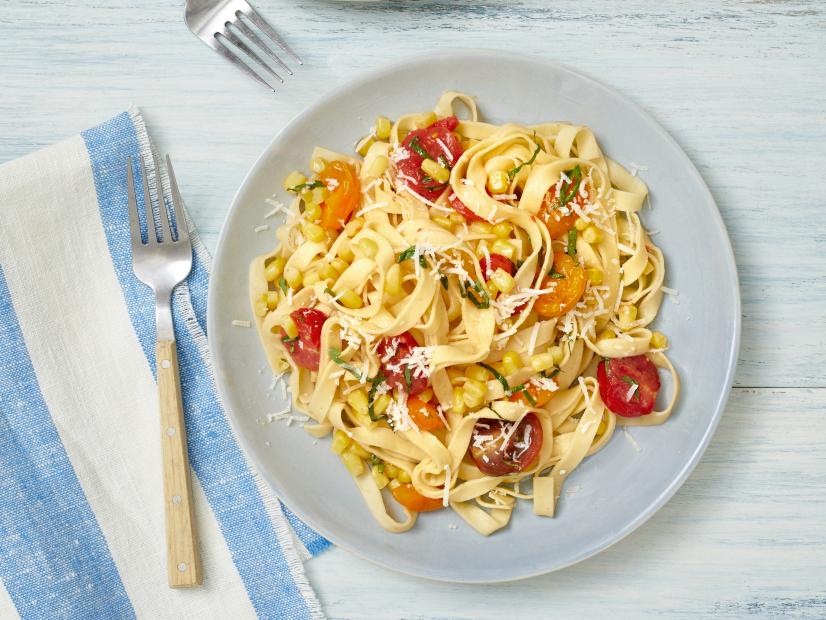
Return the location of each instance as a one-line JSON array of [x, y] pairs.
[[183, 560]]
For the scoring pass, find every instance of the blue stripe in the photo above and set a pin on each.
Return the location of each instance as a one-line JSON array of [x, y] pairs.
[[54, 560], [216, 458]]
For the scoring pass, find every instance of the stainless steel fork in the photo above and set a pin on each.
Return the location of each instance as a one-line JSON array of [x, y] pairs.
[[162, 262], [218, 23]]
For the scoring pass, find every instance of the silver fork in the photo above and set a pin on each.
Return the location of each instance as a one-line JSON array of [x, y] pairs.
[[161, 263], [217, 22]]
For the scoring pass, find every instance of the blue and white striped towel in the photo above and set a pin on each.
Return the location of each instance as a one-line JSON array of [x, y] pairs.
[[81, 512]]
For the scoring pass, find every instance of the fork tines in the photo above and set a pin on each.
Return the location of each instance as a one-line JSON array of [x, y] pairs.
[[236, 31], [159, 216]]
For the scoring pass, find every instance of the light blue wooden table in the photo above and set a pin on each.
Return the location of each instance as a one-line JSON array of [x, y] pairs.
[[741, 85]]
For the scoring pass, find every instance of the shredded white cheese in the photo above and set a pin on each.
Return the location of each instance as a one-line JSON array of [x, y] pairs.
[[240, 323]]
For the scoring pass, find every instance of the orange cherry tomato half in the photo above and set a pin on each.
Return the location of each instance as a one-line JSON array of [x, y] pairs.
[[540, 396], [411, 499], [344, 197], [568, 284], [424, 415], [559, 220]]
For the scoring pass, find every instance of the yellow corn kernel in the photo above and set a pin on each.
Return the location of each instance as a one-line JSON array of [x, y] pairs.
[[364, 145], [357, 399], [601, 428], [293, 277], [459, 400], [457, 218], [368, 247], [289, 326], [435, 171], [557, 354], [454, 373], [442, 221], [403, 477], [592, 234], [659, 340], [481, 228], [542, 361], [498, 182], [595, 276], [379, 477], [426, 120], [393, 280], [360, 452], [474, 393], [391, 470], [306, 195], [261, 307], [505, 248], [353, 226], [353, 464], [503, 280], [627, 315], [272, 300], [274, 269], [325, 271], [320, 194], [350, 299], [512, 362], [313, 232], [477, 373], [491, 286], [340, 265], [293, 179], [345, 252], [502, 230], [581, 224], [426, 396], [312, 212], [378, 166], [311, 277], [340, 442], [394, 484], [317, 164], [383, 127], [606, 334], [499, 367], [381, 404]]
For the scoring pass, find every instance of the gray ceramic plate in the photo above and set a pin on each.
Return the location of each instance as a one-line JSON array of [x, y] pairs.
[[617, 489]]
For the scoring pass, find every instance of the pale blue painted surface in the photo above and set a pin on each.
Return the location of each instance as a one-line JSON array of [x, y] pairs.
[[741, 86]]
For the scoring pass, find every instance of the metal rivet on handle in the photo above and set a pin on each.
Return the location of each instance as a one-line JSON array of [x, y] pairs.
[[182, 567], [165, 364]]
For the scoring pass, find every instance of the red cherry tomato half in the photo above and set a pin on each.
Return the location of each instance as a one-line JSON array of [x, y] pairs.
[[494, 458], [462, 210], [497, 261], [305, 349], [391, 352], [628, 385], [437, 142]]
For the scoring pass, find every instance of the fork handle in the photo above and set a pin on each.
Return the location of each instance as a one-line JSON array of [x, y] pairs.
[[183, 560]]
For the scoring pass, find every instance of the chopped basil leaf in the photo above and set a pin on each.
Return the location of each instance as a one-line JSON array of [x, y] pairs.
[[573, 188], [371, 397], [335, 355], [514, 171], [483, 301], [377, 463], [330, 292], [283, 284], [524, 390], [310, 185], [408, 377], [551, 374], [287, 340], [629, 380], [443, 280], [414, 144], [571, 251], [555, 274], [409, 253]]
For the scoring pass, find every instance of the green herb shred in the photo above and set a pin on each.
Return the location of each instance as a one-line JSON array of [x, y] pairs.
[[375, 382], [335, 355], [571, 251], [310, 185], [514, 171], [498, 376], [283, 284], [416, 146]]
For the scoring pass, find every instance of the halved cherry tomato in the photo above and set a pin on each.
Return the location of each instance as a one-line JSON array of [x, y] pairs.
[[305, 350], [559, 220], [494, 458], [391, 352], [540, 396], [439, 143], [568, 287], [617, 378], [462, 210], [411, 499], [344, 197], [424, 415], [497, 261]]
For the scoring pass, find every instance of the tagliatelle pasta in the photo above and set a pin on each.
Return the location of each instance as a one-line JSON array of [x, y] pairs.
[[466, 308]]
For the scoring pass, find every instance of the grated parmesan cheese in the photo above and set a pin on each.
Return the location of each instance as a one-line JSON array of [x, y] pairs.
[[240, 323]]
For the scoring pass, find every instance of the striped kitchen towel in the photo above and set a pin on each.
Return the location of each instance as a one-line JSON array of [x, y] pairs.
[[81, 512]]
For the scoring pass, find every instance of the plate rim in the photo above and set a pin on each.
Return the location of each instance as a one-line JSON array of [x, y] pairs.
[[731, 264]]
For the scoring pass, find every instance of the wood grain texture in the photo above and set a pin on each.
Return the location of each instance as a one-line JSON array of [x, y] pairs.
[[183, 557], [740, 85]]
